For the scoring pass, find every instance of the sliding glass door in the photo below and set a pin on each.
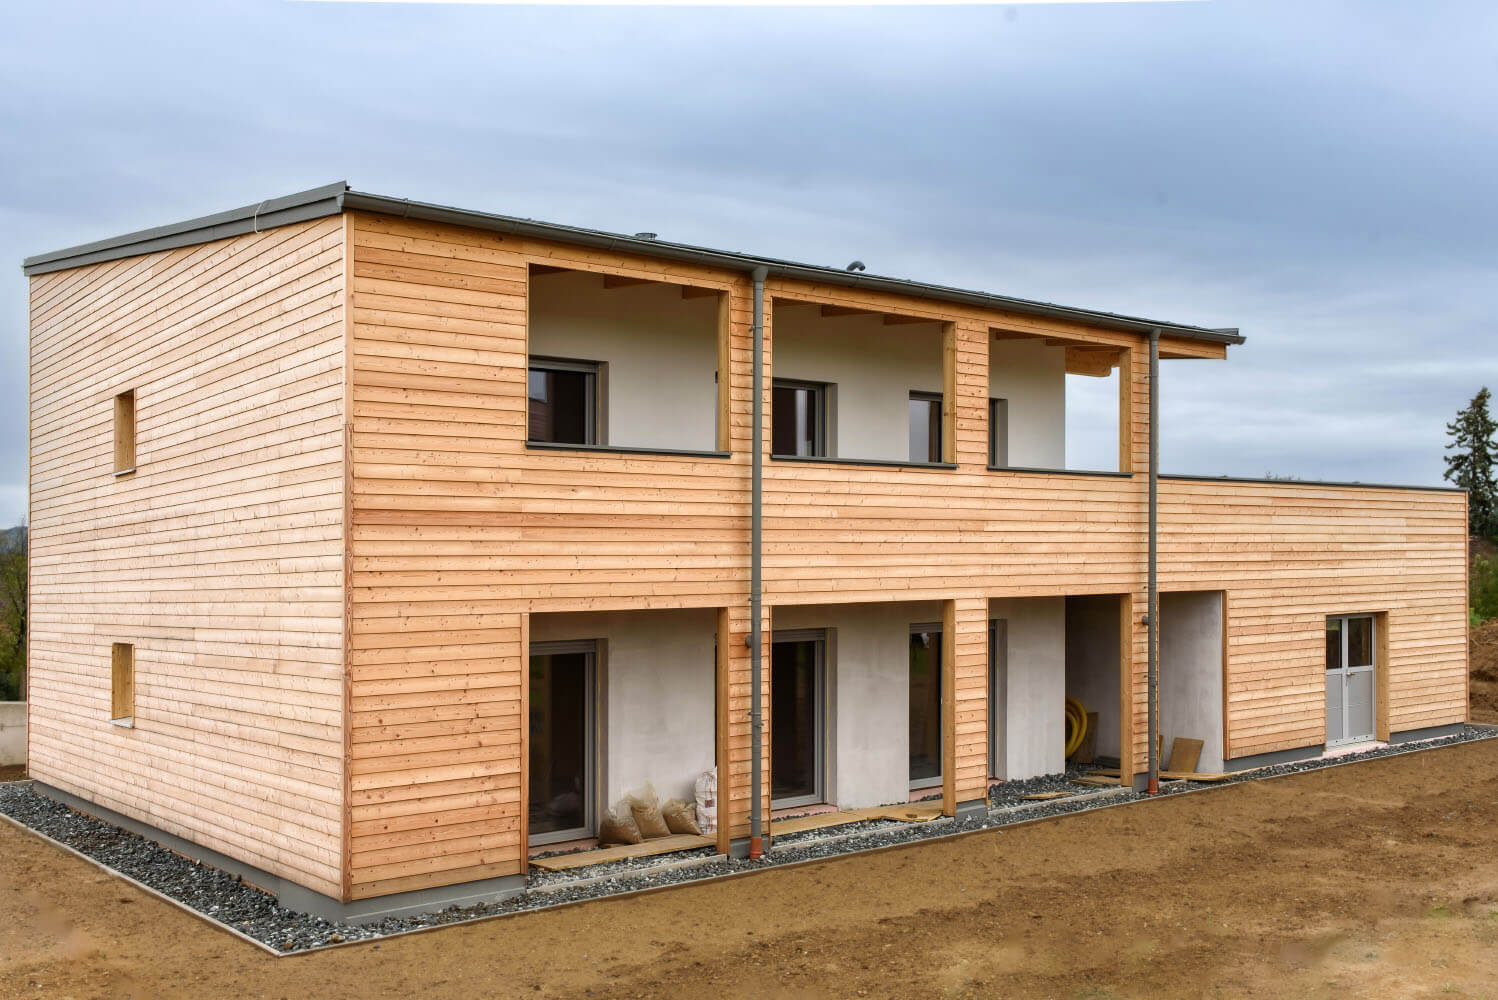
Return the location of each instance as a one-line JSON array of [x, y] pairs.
[[562, 748], [925, 706], [797, 697]]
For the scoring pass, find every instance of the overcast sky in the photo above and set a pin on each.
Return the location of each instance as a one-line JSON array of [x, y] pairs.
[[1322, 175]]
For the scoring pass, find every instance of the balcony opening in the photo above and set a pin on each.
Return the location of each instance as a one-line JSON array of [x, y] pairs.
[[623, 362], [616, 701], [857, 385], [1094, 677], [1054, 403]]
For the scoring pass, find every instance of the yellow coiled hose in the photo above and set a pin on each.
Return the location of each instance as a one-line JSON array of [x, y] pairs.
[[1076, 725]]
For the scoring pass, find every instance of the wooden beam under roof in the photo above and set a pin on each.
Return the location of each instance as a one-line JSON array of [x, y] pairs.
[[545, 269], [844, 311], [693, 292], [1095, 361], [620, 281], [891, 319]]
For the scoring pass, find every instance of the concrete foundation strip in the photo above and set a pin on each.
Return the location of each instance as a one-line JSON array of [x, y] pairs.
[[1491, 732]]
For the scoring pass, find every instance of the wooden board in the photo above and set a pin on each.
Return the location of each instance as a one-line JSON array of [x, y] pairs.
[[620, 852], [219, 559], [1184, 754]]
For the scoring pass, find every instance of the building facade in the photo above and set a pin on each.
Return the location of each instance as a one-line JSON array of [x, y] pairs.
[[375, 544]]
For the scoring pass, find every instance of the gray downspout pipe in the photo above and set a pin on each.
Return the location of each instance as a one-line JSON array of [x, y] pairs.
[[756, 582], [1154, 546]]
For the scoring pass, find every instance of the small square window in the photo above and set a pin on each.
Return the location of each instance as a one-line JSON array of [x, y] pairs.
[[563, 401], [122, 682], [124, 433], [798, 419]]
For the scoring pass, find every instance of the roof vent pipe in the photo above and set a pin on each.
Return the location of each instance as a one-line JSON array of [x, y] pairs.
[[857, 265]]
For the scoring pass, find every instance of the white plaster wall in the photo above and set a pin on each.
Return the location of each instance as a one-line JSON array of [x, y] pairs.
[[12, 732], [868, 751], [1032, 377], [1030, 722], [1092, 664], [661, 353], [874, 367], [658, 692], [1191, 672]]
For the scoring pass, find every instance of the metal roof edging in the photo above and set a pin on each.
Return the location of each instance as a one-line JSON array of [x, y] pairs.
[[405, 208], [303, 206]]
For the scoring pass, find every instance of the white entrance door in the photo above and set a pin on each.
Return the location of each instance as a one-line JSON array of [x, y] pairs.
[[1350, 687]]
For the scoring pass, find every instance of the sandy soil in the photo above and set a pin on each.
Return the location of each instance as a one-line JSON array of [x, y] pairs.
[[1377, 879], [1483, 663]]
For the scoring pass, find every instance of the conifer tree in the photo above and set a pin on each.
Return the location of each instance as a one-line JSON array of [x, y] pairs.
[[1471, 463]]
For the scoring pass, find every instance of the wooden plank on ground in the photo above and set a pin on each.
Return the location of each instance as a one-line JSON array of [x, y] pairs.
[[648, 849]]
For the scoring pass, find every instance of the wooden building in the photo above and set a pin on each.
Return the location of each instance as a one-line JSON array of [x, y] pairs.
[[374, 542]]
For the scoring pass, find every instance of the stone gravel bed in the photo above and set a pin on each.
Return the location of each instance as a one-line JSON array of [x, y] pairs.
[[250, 911]]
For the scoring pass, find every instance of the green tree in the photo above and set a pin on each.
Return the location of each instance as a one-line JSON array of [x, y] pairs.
[[13, 614], [1470, 464]]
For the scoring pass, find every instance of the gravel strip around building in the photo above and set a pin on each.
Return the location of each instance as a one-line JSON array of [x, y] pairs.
[[228, 900]]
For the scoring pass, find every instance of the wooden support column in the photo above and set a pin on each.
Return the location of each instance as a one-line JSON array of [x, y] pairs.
[[1133, 668], [964, 703], [734, 738]]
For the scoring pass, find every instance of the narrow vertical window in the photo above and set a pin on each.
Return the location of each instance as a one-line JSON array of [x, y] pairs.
[[925, 427], [998, 433], [124, 433], [925, 705], [122, 682]]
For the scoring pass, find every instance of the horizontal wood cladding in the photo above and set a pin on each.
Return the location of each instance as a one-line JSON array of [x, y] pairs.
[[1289, 554], [219, 558], [458, 531]]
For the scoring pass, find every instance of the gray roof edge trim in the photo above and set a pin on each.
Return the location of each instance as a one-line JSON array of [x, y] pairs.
[[1313, 483], [288, 209], [405, 208]]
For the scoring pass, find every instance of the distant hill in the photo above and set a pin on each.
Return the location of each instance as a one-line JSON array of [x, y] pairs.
[[13, 536]]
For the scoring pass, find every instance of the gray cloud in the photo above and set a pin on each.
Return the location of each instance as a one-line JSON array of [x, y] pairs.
[[1319, 175]]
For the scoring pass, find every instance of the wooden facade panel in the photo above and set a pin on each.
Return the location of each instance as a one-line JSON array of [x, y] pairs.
[[218, 559], [329, 554], [1289, 554]]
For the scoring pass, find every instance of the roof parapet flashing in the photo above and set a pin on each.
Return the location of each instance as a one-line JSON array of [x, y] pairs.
[[333, 199]]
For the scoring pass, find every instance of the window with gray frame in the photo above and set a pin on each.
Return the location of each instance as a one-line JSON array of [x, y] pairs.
[[798, 710], [798, 419], [562, 404], [562, 720], [925, 427], [998, 433], [925, 705]]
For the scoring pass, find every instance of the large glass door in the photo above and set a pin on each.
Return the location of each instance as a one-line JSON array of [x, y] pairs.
[[1350, 681], [797, 686], [562, 747], [925, 706]]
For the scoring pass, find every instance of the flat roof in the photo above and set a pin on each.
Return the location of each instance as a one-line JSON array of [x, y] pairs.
[[333, 199]]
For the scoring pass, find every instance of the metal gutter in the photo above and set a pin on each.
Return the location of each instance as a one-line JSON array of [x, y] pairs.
[[1153, 786], [405, 208], [332, 199], [303, 206], [756, 574]]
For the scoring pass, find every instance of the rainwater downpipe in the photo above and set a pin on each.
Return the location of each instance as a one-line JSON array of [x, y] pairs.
[[756, 517], [1153, 618]]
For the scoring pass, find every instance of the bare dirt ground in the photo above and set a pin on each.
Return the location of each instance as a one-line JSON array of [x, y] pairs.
[[1377, 879], [1483, 664]]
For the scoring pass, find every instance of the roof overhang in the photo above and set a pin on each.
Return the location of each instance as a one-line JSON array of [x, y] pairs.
[[333, 199]]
